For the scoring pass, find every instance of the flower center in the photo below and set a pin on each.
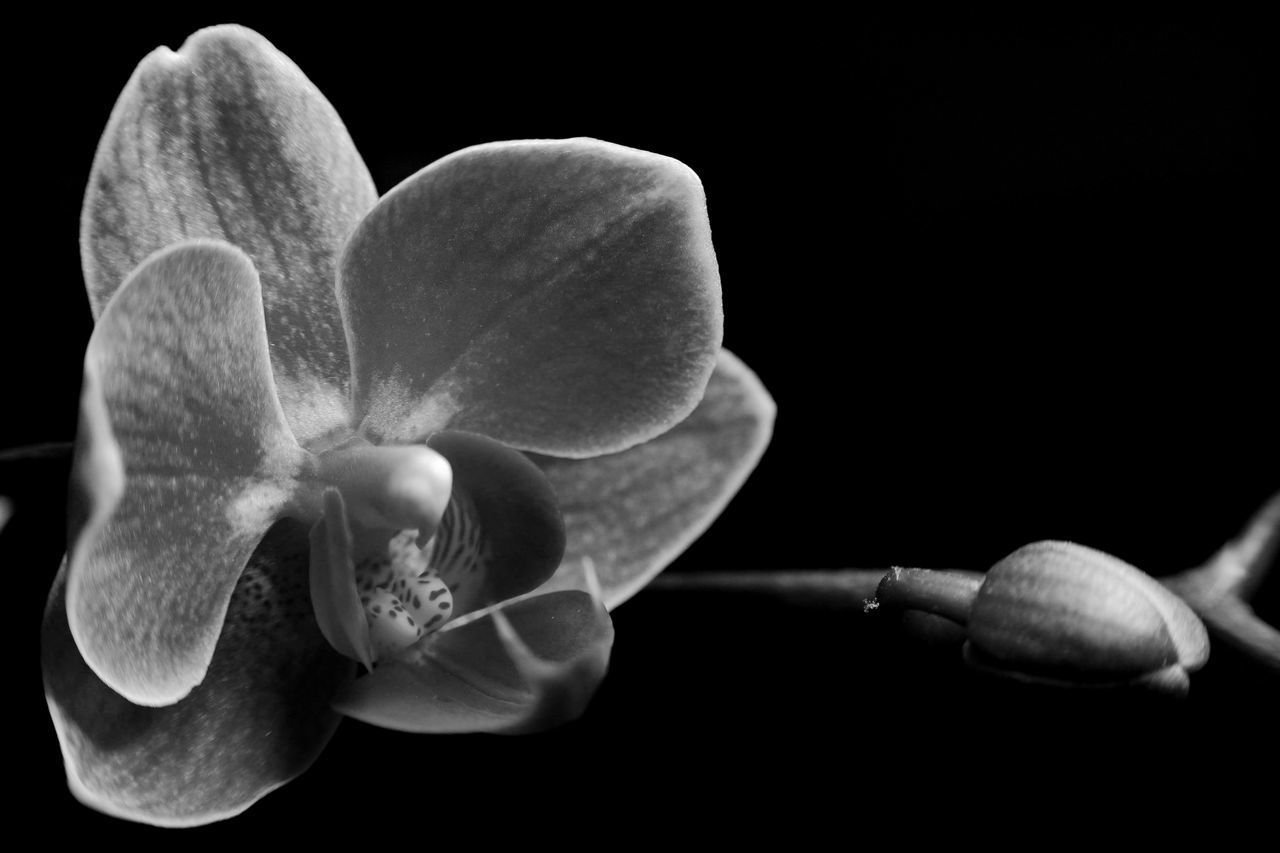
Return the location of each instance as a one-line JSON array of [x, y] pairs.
[[403, 595], [402, 535], [409, 592], [389, 488]]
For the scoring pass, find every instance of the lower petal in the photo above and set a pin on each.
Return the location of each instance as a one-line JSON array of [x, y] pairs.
[[473, 678], [259, 718], [632, 513]]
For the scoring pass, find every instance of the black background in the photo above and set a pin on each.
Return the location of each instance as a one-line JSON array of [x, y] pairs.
[[1006, 281]]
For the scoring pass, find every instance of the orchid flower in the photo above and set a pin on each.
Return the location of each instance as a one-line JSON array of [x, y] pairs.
[[389, 458]]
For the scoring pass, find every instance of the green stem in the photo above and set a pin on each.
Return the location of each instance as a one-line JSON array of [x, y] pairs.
[[948, 594], [1227, 615], [1219, 591], [46, 450], [842, 589]]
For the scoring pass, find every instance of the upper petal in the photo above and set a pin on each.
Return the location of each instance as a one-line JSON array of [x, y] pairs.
[[208, 460], [632, 513], [257, 720], [558, 296], [227, 139]]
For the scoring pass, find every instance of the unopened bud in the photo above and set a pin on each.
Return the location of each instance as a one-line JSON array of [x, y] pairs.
[[1062, 613], [1057, 611]]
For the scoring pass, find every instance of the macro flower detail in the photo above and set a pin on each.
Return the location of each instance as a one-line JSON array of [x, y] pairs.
[[393, 457]]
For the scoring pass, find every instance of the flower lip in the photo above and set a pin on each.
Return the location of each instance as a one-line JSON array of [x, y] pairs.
[[377, 586], [374, 592]]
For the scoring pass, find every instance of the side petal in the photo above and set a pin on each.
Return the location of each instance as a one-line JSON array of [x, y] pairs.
[[631, 513], [259, 719], [558, 296], [533, 667], [226, 139], [209, 464]]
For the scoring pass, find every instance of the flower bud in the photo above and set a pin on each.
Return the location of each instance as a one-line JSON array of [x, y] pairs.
[[1064, 613]]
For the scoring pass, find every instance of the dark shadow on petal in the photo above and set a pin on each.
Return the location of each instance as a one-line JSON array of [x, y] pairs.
[[259, 718]]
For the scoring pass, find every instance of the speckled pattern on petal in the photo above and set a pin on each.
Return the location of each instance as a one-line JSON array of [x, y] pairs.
[[258, 719]]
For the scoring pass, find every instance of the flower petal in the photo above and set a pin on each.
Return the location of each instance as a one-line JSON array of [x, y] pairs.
[[209, 463], [558, 296], [259, 719], [632, 513], [474, 678], [502, 535], [227, 139], [333, 583]]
